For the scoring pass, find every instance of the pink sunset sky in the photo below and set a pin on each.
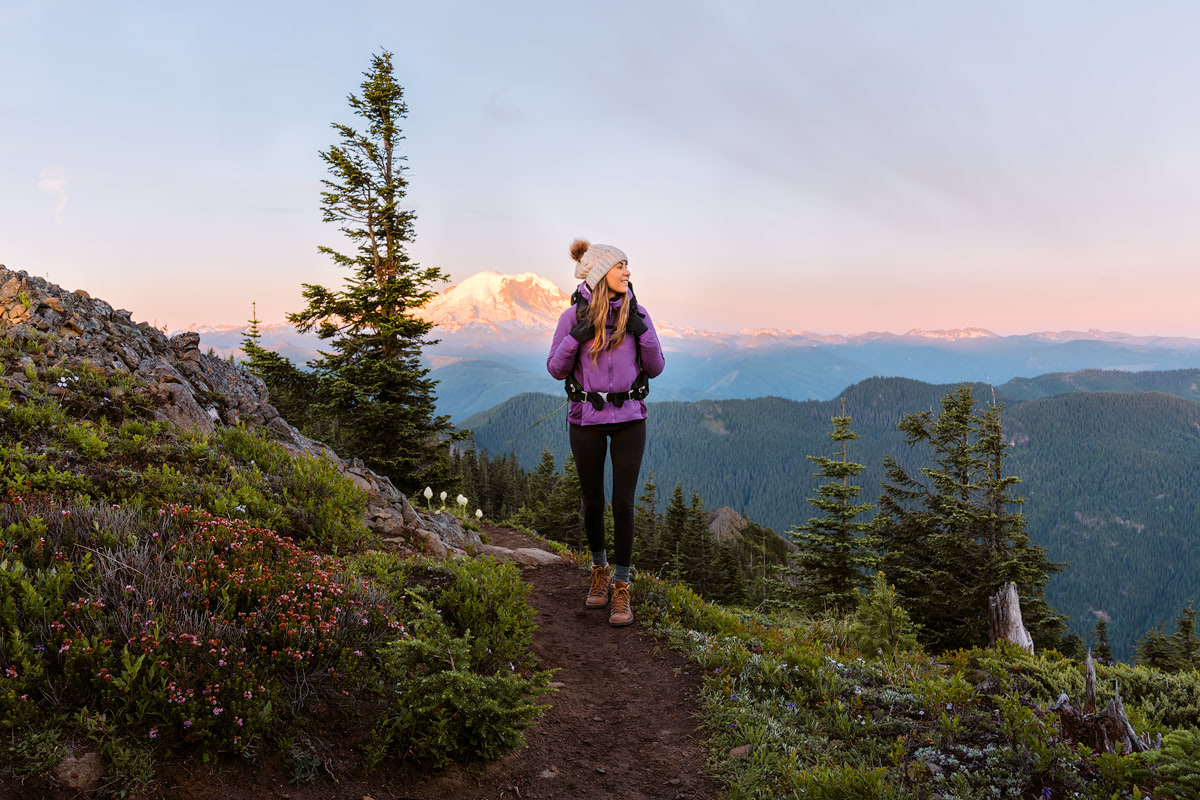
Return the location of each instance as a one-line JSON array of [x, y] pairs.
[[836, 167]]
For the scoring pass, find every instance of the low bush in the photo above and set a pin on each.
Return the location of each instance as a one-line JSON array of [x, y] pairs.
[[462, 680], [446, 705]]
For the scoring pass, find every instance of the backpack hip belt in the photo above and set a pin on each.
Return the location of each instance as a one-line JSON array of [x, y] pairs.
[[638, 391]]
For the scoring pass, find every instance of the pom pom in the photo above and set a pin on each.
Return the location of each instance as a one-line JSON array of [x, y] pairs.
[[578, 248]]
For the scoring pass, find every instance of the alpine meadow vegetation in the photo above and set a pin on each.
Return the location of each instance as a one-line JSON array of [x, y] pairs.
[[166, 593]]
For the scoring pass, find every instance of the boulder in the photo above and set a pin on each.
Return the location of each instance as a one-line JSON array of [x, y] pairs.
[[80, 772]]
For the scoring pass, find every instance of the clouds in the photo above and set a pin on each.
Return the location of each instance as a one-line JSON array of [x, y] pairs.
[[53, 181]]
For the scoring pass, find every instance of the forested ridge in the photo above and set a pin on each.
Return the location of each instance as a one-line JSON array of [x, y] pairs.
[[1108, 476]]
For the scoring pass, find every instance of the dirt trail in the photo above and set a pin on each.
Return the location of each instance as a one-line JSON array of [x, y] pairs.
[[622, 723]]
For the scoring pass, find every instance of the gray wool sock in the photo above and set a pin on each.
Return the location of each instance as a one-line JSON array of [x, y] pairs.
[[599, 558], [621, 573]]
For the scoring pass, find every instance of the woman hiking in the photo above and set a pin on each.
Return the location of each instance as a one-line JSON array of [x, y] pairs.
[[606, 350]]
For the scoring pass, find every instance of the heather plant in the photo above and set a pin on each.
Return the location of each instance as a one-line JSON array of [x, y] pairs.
[[181, 626]]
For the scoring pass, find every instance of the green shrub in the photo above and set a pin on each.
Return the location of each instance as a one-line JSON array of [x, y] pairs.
[[446, 707], [95, 438], [1175, 769], [881, 626], [845, 782], [317, 504], [487, 599]]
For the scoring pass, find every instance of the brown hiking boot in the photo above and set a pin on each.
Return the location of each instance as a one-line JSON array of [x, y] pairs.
[[599, 590], [621, 613]]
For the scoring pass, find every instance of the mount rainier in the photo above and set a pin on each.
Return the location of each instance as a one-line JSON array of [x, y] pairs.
[[494, 331]]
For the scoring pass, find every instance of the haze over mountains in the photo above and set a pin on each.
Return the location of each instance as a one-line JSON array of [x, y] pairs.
[[495, 329]]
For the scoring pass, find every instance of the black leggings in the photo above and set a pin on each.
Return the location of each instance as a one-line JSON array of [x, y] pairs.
[[588, 445]]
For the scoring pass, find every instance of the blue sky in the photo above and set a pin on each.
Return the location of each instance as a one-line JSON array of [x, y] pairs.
[[830, 166]]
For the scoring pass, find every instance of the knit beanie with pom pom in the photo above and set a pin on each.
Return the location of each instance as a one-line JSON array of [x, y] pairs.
[[593, 261]]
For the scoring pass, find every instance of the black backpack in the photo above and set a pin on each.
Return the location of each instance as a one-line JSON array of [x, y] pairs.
[[575, 392]]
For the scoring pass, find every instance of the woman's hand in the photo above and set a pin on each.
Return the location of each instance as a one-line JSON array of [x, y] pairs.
[[584, 331], [636, 324]]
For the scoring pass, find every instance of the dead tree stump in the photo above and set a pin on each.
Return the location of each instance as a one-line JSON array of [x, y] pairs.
[[1101, 731], [1004, 618]]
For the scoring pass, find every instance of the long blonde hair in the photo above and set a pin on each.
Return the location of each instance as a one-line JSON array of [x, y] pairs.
[[598, 313]]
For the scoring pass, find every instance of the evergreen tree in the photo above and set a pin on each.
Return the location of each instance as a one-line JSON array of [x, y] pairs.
[[1187, 647], [1157, 651], [727, 585], [698, 547], [543, 479], [947, 538], [1102, 650], [563, 517], [291, 390], [647, 524], [540, 486], [375, 400], [674, 531], [881, 625], [832, 556], [1011, 554], [1178, 652]]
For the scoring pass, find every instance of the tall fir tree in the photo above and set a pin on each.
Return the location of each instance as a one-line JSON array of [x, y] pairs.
[[375, 399], [947, 537], [1012, 556], [833, 554], [291, 390], [1102, 650], [543, 479], [1187, 646], [1178, 652], [699, 548], [674, 531], [647, 526], [563, 515], [727, 585]]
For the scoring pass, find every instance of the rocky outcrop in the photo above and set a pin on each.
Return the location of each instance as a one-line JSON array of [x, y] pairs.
[[724, 523], [194, 389], [190, 388]]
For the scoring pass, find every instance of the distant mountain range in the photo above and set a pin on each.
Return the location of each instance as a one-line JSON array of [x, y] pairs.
[[495, 330]]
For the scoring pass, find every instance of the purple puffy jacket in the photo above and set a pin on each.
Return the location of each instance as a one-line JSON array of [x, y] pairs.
[[614, 370]]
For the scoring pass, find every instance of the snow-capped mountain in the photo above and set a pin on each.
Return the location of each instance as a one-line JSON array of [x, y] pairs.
[[509, 303], [493, 333], [953, 335]]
